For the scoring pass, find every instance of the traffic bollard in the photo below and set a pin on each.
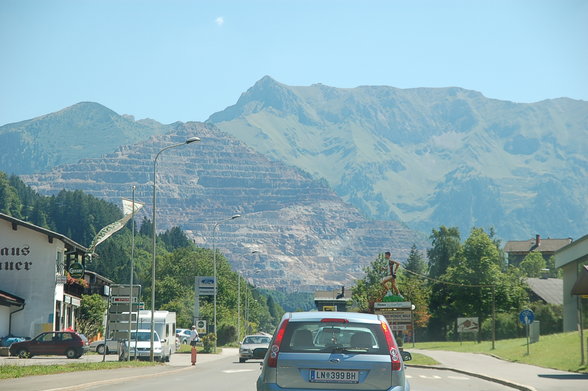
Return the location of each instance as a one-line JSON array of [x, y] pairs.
[[194, 355]]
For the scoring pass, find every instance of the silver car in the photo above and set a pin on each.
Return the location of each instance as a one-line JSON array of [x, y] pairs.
[[333, 351], [252, 345], [112, 346]]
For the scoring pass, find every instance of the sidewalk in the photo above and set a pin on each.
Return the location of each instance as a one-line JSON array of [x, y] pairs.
[[519, 376]]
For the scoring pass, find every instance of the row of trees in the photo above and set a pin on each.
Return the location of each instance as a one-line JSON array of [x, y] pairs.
[[469, 279]]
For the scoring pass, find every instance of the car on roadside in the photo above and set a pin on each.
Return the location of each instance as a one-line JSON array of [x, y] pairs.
[[253, 346], [112, 346], [333, 351], [66, 343], [183, 335]]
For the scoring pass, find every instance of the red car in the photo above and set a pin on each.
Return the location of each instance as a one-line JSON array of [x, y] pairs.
[[67, 343]]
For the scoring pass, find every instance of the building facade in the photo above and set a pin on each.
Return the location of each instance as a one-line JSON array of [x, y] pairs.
[[36, 296], [517, 250], [571, 259]]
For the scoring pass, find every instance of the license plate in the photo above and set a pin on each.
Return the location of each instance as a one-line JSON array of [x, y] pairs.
[[333, 376]]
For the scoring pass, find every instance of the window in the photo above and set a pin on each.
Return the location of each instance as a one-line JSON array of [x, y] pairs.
[[320, 337]]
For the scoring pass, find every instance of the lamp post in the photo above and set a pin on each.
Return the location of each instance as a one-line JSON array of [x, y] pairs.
[[132, 272], [188, 141], [214, 267], [239, 301]]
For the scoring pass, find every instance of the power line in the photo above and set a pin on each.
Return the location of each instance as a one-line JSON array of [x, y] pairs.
[[450, 283]]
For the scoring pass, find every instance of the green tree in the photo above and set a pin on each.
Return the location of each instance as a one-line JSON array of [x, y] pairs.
[[414, 286], [416, 262], [477, 281], [368, 290], [91, 316], [533, 264], [446, 243], [10, 203], [175, 238], [473, 271]]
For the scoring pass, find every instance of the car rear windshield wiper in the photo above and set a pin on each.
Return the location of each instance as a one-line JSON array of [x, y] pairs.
[[341, 349]]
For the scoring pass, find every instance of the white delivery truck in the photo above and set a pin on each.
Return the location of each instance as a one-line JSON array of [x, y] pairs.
[[164, 322]]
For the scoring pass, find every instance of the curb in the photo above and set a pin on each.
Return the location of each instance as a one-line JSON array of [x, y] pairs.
[[504, 382]]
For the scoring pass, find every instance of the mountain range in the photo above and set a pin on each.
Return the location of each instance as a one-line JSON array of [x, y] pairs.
[[429, 156], [325, 178]]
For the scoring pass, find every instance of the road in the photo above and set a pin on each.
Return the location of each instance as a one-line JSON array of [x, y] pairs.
[[221, 373]]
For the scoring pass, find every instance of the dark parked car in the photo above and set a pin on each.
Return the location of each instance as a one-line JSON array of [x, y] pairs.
[[67, 343]]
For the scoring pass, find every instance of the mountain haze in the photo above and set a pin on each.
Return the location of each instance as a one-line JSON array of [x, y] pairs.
[[429, 156]]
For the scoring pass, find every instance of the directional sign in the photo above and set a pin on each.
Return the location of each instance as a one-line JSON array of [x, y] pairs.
[[122, 299], [205, 286], [526, 316]]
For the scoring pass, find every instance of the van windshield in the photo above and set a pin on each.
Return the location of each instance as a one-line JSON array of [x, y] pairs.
[[143, 336]]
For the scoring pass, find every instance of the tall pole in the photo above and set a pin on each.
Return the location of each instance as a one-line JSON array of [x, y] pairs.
[[238, 306], [132, 271], [188, 141], [493, 316], [214, 268]]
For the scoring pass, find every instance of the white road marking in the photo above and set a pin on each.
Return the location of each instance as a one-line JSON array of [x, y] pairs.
[[458, 377], [237, 370]]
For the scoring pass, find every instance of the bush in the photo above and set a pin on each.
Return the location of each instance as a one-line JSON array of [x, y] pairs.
[[550, 316], [208, 342], [226, 334], [507, 326]]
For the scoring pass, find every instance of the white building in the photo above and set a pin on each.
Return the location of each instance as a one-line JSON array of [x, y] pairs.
[[34, 294]]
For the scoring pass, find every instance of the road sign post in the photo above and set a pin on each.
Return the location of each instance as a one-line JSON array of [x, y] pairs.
[[527, 317]]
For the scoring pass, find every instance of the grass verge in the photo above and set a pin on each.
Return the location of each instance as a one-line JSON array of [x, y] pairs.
[[421, 359], [13, 371], [557, 351]]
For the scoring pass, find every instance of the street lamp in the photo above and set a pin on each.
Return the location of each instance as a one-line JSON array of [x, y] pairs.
[[239, 301], [188, 141], [214, 266]]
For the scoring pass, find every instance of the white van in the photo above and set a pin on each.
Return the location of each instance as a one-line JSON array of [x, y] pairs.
[[141, 346], [164, 323]]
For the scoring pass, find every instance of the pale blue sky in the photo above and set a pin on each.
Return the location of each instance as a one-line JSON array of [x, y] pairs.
[[181, 60]]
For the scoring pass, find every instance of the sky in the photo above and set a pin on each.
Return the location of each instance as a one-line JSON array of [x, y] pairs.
[[183, 60]]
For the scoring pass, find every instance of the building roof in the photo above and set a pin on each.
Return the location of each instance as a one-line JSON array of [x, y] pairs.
[[576, 251], [550, 290], [8, 299], [526, 246], [70, 244]]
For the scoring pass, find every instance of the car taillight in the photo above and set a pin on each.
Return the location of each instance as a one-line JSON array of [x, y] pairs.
[[272, 360], [334, 320], [392, 348]]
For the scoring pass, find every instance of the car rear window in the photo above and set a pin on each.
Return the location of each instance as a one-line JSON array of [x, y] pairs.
[[360, 338], [256, 340]]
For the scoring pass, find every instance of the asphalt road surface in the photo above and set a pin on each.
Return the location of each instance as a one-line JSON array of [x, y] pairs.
[[221, 373]]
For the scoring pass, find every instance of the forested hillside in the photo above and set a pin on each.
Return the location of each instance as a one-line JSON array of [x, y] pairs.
[[80, 216]]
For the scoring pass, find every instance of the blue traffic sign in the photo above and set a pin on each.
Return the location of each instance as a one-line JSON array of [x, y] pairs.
[[526, 316]]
